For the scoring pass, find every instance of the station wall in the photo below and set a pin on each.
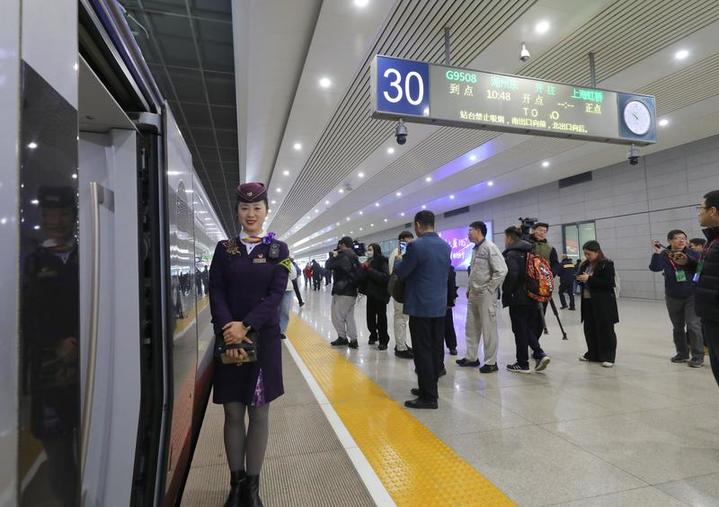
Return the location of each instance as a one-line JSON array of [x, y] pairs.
[[630, 205]]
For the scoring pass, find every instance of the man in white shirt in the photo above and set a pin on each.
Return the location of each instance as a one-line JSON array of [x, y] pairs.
[[401, 321], [486, 273]]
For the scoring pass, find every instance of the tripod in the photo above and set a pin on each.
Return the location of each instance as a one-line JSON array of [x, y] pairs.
[[556, 314]]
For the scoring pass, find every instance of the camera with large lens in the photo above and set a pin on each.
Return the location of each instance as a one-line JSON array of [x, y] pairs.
[[526, 224]]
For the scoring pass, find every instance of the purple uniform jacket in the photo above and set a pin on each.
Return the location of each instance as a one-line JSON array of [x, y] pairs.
[[249, 288]]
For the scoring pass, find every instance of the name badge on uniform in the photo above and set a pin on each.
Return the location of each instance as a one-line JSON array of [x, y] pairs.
[[260, 259], [681, 275]]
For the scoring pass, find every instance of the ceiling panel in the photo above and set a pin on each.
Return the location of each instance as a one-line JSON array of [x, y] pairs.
[[188, 45]]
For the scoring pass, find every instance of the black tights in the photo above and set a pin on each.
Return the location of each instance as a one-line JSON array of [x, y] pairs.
[[246, 447]]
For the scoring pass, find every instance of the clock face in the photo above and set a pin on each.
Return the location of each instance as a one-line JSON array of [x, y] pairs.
[[637, 117]]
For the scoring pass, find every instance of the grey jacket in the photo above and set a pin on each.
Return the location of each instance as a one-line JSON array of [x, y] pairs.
[[487, 270]]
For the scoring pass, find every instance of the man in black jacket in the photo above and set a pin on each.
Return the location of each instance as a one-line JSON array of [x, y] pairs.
[[706, 294], [523, 311], [345, 267], [566, 282]]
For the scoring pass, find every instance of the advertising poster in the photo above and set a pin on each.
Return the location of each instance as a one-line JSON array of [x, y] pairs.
[[461, 246]]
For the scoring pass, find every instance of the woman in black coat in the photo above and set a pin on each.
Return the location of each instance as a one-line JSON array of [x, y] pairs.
[[374, 286], [599, 305]]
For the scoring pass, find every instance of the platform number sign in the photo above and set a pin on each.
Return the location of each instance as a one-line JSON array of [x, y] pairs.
[[401, 87]]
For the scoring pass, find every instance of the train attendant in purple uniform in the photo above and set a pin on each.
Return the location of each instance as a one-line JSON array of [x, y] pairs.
[[248, 278]]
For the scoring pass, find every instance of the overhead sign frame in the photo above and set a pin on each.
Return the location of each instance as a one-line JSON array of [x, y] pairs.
[[434, 94]]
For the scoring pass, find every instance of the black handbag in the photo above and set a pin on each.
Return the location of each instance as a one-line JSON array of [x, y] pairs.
[[221, 349], [395, 287]]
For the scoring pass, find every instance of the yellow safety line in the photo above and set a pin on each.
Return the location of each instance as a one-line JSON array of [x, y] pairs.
[[415, 466]]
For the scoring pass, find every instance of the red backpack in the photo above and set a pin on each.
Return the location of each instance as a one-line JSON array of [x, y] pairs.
[[539, 277]]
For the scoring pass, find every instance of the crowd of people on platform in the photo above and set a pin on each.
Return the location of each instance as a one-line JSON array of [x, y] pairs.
[[253, 279]]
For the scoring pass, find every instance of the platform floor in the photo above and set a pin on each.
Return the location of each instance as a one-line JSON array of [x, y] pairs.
[[643, 433]]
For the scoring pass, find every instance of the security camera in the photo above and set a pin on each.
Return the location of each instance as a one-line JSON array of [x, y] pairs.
[[524, 55], [400, 132], [633, 155]]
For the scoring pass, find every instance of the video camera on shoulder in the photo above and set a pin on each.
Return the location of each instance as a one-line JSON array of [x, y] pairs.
[[526, 225], [359, 249]]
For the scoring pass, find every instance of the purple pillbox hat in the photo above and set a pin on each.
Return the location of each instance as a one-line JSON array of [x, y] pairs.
[[251, 192]]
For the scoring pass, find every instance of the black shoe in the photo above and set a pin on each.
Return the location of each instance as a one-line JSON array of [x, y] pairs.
[[339, 342], [518, 369], [416, 392], [237, 486], [252, 492], [452, 352], [571, 309], [563, 307], [420, 403], [542, 363], [464, 362], [404, 354], [353, 344], [283, 337], [442, 372], [372, 340], [382, 346], [679, 359], [302, 303], [488, 368]]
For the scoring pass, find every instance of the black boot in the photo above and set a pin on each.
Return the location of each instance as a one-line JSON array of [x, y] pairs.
[[252, 491], [238, 482]]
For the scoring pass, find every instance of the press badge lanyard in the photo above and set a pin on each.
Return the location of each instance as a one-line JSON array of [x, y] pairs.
[[680, 274], [700, 265]]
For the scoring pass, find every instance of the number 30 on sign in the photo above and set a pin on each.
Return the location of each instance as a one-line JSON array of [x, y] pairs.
[[402, 86]]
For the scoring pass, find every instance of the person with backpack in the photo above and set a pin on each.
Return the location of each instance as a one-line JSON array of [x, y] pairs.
[[599, 305], [542, 248], [374, 286], [524, 312], [345, 267]]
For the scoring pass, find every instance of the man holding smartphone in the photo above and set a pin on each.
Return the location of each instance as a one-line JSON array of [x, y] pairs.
[[401, 321], [679, 296]]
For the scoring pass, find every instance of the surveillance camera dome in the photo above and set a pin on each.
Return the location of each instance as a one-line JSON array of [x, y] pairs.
[[400, 132], [524, 53]]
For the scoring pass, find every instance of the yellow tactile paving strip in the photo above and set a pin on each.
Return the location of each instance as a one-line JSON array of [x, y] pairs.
[[415, 466]]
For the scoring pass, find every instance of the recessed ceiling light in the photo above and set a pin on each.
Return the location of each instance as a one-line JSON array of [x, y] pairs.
[[663, 122], [316, 210], [424, 206], [348, 219], [286, 172], [398, 194], [325, 82], [545, 163], [401, 214], [273, 202], [390, 150], [327, 203], [37, 227], [376, 205], [428, 179], [681, 54], [342, 190], [278, 190], [451, 196], [338, 224], [385, 219], [32, 145], [361, 175], [297, 146], [542, 27], [473, 157], [361, 228], [490, 183], [371, 225], [361, 212], [361, 3]]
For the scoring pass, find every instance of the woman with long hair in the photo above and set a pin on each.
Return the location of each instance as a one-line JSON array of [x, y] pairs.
[[599, 305], [374, 287], [248, 278]]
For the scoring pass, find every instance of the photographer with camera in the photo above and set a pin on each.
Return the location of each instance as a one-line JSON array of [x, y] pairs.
[[679, 296], [345, 267], [400, 320]]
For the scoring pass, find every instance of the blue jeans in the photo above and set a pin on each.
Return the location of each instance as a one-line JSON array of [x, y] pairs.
[[285, 307]]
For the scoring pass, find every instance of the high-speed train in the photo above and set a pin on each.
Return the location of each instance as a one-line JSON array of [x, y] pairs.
[[118, 426]]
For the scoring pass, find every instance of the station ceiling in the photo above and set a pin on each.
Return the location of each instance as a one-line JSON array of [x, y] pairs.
[[303, 94]]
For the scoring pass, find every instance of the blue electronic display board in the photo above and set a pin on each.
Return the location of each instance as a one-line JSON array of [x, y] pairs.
[[401, 86]]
